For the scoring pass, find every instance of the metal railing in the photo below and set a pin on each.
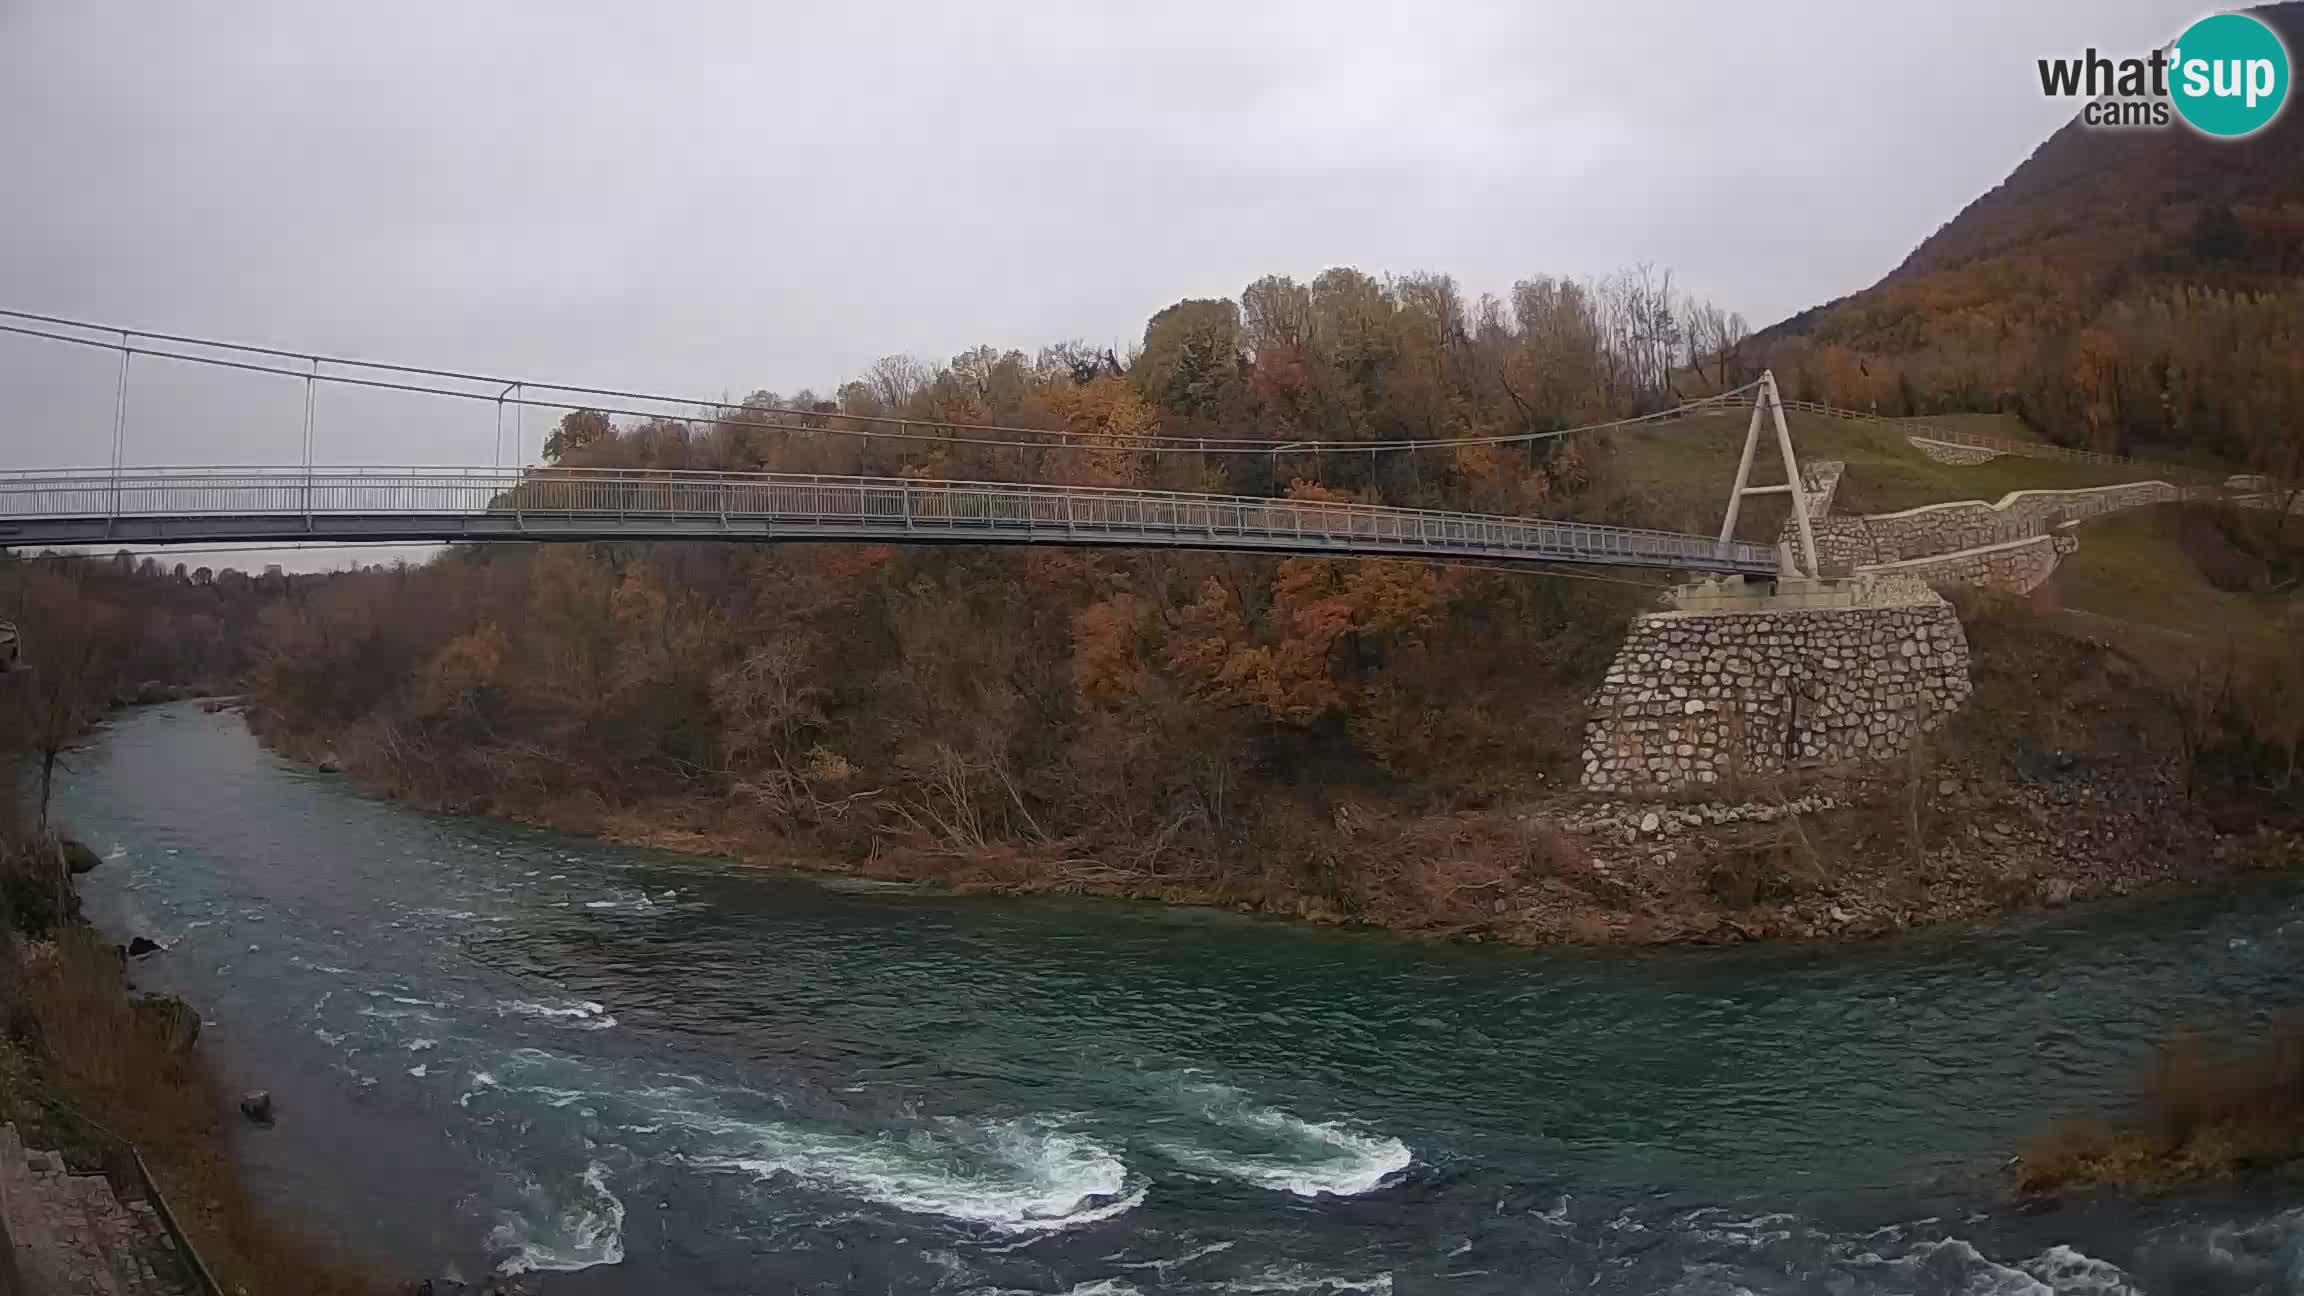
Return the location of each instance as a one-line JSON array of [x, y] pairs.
[[122, 1160], [212, 503]]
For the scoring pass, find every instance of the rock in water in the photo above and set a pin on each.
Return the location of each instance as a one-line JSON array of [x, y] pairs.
[[77, 857], [139, 946], [256, 1105]]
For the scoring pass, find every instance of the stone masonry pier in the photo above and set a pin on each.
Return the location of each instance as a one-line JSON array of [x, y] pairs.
[[1737, 682], [1765, 678]]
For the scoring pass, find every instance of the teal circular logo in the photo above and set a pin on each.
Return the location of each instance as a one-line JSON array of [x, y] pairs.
[[2228, 75]]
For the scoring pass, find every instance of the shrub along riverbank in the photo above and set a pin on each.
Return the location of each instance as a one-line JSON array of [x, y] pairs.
[[2207, 1109]]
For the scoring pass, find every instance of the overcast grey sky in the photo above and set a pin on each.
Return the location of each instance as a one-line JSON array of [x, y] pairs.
[[717, 197]]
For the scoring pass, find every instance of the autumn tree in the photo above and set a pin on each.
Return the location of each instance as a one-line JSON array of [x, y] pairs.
[[1275, 317], [74, 643], [769, 702], [1191, 354], [577, 430]]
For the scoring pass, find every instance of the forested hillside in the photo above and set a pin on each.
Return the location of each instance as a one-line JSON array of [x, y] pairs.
[[2126, 290]]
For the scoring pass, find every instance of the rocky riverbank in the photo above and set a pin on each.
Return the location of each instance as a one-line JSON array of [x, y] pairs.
[[1841, 856], [2069, 775]]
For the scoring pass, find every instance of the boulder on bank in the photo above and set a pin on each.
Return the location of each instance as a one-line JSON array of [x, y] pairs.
[[139, 946], [256, 1105], [175, 1021], [78, 857]]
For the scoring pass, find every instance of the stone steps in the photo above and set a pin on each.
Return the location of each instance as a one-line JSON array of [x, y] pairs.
[[72, 1235]]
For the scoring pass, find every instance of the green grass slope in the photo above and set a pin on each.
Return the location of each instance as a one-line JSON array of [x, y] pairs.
[[2000, 427], [2171, 566], [1677, 474]]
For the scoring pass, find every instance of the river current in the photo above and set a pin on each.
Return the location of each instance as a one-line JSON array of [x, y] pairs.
[[501, 1049]]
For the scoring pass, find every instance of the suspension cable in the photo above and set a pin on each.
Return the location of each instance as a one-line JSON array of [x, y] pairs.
[[874, 427]]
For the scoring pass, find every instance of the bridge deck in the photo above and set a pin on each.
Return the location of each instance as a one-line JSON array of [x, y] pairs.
[[150, 506]]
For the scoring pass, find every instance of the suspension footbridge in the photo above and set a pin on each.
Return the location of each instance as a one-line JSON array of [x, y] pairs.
[[119, 504], [162, 506]]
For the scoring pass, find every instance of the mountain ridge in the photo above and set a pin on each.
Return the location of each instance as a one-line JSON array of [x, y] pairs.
[[2121, 289]]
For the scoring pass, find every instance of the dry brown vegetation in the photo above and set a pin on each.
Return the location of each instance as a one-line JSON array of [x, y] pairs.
[[2073, 754], [2207, 1109], [83, 1056], [1184, 721]]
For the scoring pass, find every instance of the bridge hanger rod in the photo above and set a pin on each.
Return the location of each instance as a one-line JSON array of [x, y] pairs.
[[1045, 438]]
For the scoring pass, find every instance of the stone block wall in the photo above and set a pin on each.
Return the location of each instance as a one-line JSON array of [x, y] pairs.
[[1952, 452], [1820, 481], [1846, 538], [1942, 528], [1694, 697], [2019, 566]]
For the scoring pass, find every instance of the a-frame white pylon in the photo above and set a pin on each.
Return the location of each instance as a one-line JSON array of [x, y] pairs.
[[1766, 403]]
